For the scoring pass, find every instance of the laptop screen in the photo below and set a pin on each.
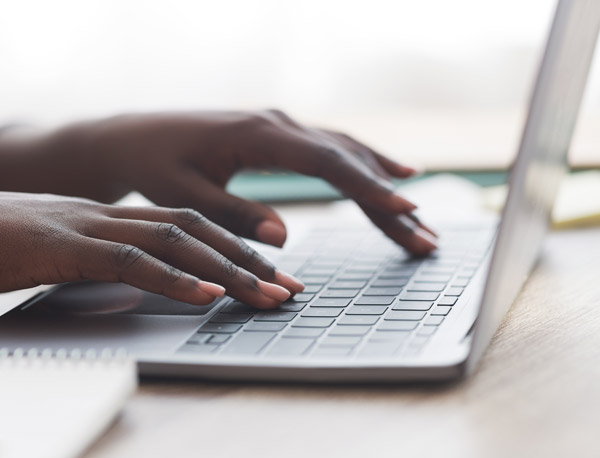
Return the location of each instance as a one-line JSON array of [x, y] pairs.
[[541, 161]]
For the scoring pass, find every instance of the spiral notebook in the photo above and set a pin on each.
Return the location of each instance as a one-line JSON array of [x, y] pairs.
[[55, 406]]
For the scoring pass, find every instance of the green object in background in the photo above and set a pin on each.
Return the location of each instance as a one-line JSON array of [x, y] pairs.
[[279, 187]]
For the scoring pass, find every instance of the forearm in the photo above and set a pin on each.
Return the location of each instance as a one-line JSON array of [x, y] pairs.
[[52, 161], [18, 170]]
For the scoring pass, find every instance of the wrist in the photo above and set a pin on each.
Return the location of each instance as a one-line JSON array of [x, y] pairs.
[[20, 147]]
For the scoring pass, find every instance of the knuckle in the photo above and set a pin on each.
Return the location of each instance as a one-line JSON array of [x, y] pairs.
[[229, 269], [277, 114], [168, 232], [125, 255], [329, 153], [234, 216], [250, 254], [172, 274], [189, 216]]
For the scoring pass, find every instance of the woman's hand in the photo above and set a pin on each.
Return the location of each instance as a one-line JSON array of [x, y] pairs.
[[47, 239], [186, 159]]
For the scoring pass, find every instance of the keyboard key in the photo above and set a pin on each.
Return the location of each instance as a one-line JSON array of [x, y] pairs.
[[230, 318], [311, 271], [395, 274], [305, 322], [328, 312], [427, 330], [460, 282], [442, 310], [390, 283], [390, 336], [303, 332], [412, 305], [396, 326], [365, 270], [405, 315], [355, 276], [330, 303], [422, 278], [426, 287], [238, 307], [394, 291], [350, 330], [248, 343], [312, 289], [301, 297], [199, 338], [312, 280], [198, 349], [375, 300], [348, 284], [379, 349], [291, 307], [331, 351], [433, 321], [339, 293], [274, 316], [418, 341], [266, 326], [447, 300], [454, 291], [290, 347], [334, 341], [366, 310], [220, 328], [418, 296], [218, 339], [349, 320]]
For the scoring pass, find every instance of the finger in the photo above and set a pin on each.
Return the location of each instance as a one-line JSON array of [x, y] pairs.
[[245, 218], [389, 166], [334, 163], [361, 151], [394, 168], [413, 217], [172, 245], [223, 241], [403, 230], [106, 261]]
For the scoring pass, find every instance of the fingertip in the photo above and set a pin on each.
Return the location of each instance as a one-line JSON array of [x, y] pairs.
[[288, 281], [271, 233], [211, 288], [401, 205], [427, 242], [279, 293]]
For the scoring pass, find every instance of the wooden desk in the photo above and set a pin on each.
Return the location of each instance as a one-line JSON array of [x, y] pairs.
[[536, 393]]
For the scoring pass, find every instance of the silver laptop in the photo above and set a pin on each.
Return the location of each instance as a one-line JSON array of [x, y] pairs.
[[370, 312]]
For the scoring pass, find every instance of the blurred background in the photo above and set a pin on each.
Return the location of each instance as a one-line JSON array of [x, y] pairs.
[[434, 83]]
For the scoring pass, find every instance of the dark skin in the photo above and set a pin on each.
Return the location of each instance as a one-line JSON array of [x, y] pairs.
[[188, 245]]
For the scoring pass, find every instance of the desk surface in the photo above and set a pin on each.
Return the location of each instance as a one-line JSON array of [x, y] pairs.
[[536, 393]]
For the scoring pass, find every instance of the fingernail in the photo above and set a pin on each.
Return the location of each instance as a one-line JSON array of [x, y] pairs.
[[273, 291], [271, 232], [289, 281], [211, 288], [427, 237], [416, 170], [402, 204]]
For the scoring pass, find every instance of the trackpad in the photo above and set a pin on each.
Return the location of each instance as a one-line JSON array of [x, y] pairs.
[[110, 298], [98, 316]]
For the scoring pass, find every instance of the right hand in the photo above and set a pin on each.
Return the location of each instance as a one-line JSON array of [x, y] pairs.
[[48, 239]]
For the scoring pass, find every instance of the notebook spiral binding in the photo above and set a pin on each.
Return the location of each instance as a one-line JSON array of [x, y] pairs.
[[22, 354]]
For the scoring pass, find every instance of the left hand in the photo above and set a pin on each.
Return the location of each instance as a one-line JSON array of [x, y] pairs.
[[186, 159]]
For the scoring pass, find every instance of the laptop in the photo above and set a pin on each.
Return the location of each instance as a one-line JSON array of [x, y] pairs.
[[370, 312]]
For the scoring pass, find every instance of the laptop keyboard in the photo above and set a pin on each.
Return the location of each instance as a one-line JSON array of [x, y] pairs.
[[364, 298]]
